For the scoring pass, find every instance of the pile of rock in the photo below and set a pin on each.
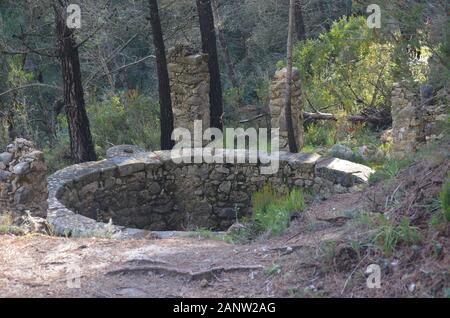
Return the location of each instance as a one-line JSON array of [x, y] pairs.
[[23, 183], [407, 121], [435, 113], [189, 83], [277, 107]]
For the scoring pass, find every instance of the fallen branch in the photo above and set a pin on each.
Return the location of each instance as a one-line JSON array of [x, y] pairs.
[[308, 116], [374, 119]]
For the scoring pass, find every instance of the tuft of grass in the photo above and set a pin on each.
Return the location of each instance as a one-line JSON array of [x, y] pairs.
[[203, 233], [244, 233], [273, 211], [273, 270], [7, 226], [388, 235], [444, 200]]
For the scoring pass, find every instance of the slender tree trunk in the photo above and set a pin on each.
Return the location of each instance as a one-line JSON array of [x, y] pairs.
[[165, 102], [288, 97], [81, 145], [226, 54], [299, 21], [209, 47]]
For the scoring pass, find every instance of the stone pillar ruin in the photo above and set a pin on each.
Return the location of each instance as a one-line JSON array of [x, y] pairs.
[[23, 179], [407, 121], [277, 107], [189, 83]]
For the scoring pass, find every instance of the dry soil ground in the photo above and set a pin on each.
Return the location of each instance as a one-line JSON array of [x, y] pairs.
[[43, 266]]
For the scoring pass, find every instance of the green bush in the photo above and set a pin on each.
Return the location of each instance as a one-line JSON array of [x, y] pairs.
[[338, 68], [273, 211], [124, 120], [444, 200]]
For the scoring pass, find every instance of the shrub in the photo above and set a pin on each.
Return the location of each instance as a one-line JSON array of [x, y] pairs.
[[337, 73]]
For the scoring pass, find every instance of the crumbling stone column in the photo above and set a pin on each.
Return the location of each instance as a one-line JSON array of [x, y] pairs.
[[277, 107], [189, 82], [23, 181], [407, 121]]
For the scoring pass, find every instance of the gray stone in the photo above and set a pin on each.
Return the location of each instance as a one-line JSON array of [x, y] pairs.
[[344, 172], [123, 151], [238, 197], [5, 175], [22, 196], [6, 157], [225, 187], [341, 151], [21, 168], [154, 188]]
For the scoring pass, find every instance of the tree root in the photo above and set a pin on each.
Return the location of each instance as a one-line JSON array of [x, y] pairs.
[[209, 274]]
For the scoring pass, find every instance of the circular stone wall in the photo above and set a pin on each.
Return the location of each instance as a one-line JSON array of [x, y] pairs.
[[149, 191]]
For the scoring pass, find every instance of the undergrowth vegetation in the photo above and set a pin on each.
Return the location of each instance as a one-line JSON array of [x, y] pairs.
[[272, 214], [444, 200], [274, 210], [7, 225], [388, 235]]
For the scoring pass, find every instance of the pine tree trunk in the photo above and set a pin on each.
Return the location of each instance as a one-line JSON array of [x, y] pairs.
[[165, 102], [81, 145], [209, 47], [299, 21], [226, 54], [288, 97]]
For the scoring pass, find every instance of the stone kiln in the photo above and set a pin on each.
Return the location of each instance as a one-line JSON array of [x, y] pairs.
[[149, 191]]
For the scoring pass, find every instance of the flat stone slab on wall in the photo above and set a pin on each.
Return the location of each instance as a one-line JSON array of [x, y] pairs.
[[150, 192]]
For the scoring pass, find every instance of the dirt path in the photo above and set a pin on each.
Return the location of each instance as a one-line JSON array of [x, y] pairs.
[[42, 266]]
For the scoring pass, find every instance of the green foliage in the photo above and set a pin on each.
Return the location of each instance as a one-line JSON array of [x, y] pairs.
[[124, 120], [387, 172], [274, 210], [389, 235], [444, 200], [320, 134], [341, 68]]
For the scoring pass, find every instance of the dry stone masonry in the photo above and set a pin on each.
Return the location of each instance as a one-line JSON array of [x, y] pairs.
[[148, 191], [23, 184], [277, 107], [407, 121], [416, 117], [436, 110], [189, 83]]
